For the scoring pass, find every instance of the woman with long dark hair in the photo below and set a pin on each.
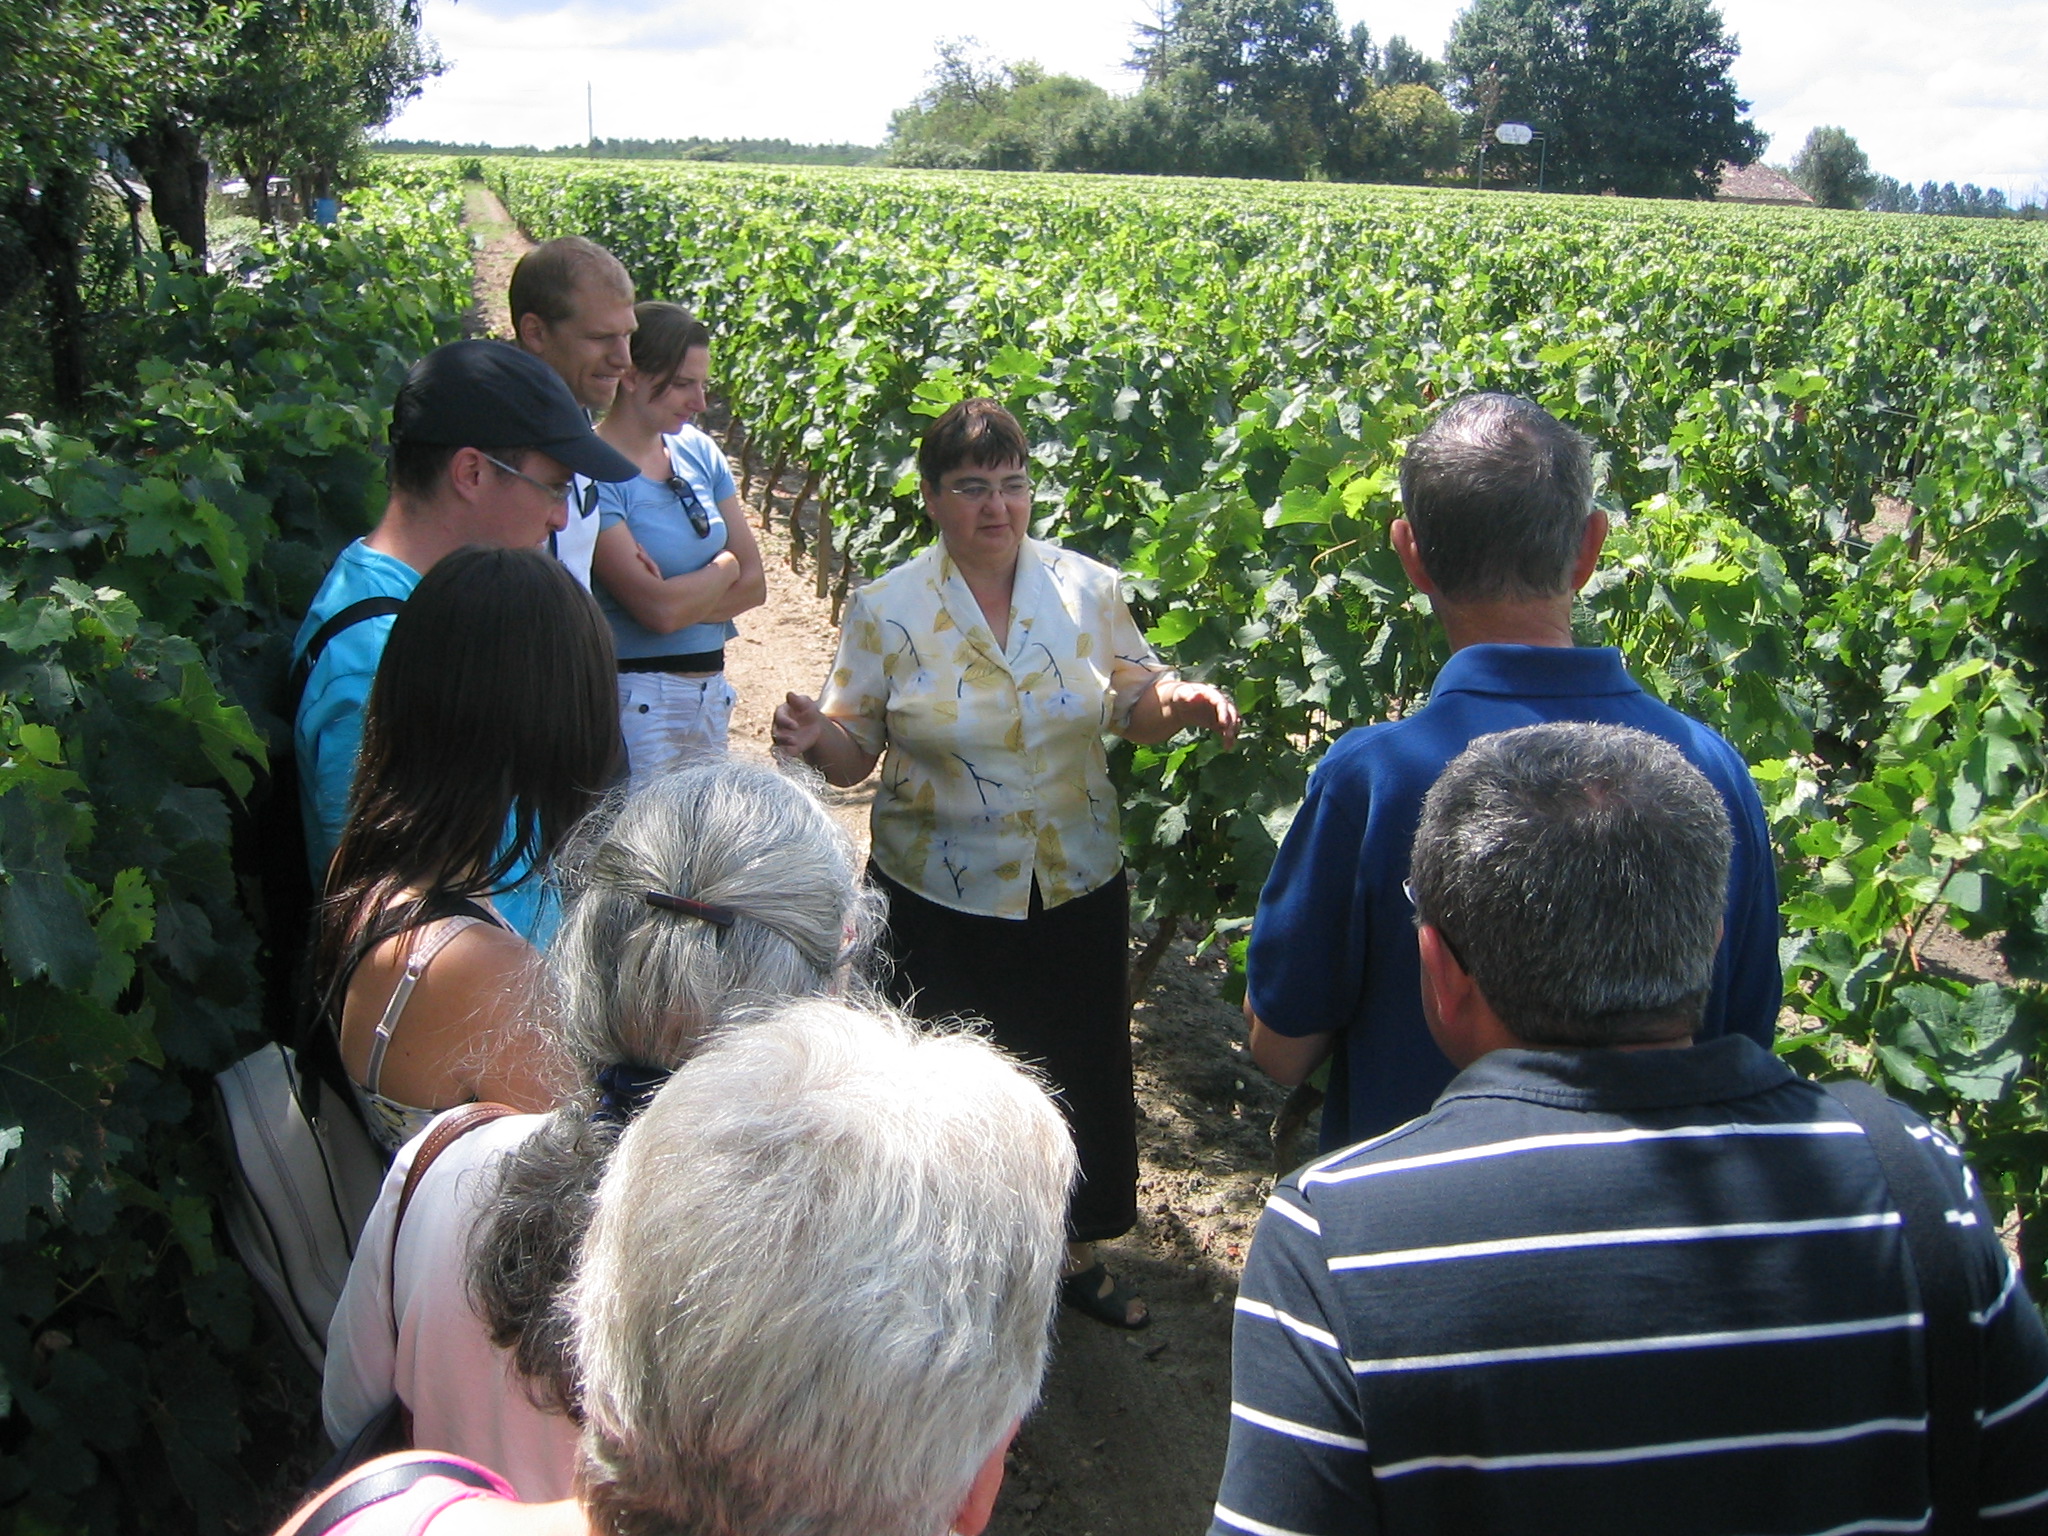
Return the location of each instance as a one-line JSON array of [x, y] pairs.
[[490, 730]]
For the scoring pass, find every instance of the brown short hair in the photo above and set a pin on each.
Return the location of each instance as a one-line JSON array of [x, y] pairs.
[[667, 334], [547, 278], [973, 432]]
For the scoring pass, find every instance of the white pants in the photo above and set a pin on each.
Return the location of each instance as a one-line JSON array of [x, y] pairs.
[[668, 720]]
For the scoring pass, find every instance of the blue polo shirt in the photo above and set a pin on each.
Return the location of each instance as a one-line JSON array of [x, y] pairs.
[[1333, 945]]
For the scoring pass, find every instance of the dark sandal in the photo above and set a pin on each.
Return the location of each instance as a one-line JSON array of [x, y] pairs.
[[1083, 1292]]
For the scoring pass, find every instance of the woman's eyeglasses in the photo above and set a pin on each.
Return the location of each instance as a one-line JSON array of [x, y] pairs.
[[700, 520]]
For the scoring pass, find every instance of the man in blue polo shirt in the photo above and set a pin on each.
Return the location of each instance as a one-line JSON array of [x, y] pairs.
[[1500, 532], [484, 438], [1616, 1282]]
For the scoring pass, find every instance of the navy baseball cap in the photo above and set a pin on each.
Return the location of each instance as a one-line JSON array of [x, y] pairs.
[[491, 395]]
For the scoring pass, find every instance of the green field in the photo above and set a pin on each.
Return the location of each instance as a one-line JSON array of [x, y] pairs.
[[1822, 448]]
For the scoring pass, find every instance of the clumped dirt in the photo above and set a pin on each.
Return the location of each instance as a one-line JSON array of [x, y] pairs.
[[1130, 1434]]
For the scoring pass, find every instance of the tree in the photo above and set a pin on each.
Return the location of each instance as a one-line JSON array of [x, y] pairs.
[[1284, 63], [1166, 131], [308, 81], [1833, 169], [1890, 195], [1404, 133], [1401, 63], [977, 113], [1633, 95], [80, 75]]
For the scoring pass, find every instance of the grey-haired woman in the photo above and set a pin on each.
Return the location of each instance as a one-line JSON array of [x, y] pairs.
[[713, 890]]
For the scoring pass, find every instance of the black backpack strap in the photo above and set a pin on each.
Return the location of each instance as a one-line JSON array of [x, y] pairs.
[[1953, 1344], [388, 1482], [348, 618]]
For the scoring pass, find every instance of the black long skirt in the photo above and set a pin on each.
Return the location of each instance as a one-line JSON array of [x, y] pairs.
[[1055, 991]]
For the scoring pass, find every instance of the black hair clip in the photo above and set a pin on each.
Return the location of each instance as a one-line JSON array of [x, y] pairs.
[[624, 1089], [722, 916]]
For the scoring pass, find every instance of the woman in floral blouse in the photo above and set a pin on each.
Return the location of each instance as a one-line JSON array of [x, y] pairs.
[[988, 669]]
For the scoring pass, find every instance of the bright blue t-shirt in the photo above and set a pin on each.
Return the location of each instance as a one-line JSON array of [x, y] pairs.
[[329, 729], [328, 733], [1333, 945], [659, 521]]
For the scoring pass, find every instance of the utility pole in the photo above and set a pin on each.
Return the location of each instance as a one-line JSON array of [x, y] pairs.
[[590, 114]]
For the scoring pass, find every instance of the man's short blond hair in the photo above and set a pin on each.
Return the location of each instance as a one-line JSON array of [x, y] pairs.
[[548, 278]]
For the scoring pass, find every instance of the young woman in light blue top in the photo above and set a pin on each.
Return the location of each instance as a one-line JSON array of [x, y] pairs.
[[676, 559]]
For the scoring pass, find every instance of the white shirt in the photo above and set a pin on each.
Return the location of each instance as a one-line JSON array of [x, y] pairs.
[[465, 1393], [576, 545]]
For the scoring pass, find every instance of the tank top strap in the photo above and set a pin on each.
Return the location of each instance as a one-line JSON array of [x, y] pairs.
[[434, 938]]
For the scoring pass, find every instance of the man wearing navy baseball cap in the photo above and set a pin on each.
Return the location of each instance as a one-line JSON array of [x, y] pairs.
[[484, 438]]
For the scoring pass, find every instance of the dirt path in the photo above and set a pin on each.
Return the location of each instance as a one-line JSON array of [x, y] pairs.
[[1129, 1438]]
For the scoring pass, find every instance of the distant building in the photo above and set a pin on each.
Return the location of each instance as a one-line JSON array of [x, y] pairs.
[[1760, 184]]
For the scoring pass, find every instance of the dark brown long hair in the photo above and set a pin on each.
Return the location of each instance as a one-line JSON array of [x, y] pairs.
[[492, 727]]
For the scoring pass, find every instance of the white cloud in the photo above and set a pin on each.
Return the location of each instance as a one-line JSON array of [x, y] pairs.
[[807, 70], [1956, 92]]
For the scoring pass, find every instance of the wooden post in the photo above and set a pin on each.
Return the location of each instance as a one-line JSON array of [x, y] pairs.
[[824, 582], [739, 445], [1147, 963], [839, 587], [796, 518]]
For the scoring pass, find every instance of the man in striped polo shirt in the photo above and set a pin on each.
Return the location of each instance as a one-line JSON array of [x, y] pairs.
[[1613, 1281]]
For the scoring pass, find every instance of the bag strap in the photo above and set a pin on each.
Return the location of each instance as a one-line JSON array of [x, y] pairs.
[[448, 1130], [1953, 1343], [444, 1133], [354, 1497], [345, 619]]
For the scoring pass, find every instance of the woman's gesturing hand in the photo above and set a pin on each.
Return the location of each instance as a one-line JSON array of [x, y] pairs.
[[798, 724], [803, 730], [1202, 707], [1170, 705]]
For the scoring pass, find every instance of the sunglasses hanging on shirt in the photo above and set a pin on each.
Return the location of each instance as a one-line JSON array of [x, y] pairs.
[[692, 507]]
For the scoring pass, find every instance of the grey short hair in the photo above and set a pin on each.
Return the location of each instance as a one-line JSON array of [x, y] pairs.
[[1579, 873], [818, 1288], [1498, 491], [638, 984]]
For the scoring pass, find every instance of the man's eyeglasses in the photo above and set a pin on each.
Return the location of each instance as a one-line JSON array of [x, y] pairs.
[[558, 492], [1408, 890], [1016, 488], [700, 520]]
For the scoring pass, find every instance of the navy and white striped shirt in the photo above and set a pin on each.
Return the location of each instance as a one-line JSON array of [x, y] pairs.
[[1601, 1291]]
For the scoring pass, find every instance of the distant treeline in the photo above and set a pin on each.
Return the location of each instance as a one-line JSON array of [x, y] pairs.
[[750, 151], [1968, 201]]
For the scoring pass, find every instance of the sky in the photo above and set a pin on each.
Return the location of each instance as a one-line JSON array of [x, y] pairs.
[[1956, 91]]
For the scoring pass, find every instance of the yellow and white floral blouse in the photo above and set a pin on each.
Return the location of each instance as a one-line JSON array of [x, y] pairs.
[[996, 768]]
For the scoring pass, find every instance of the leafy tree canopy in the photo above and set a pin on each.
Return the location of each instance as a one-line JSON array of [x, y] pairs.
[[1404, 133], [1285, 63], [1634, 96], [1833, 169], [978, 113]]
